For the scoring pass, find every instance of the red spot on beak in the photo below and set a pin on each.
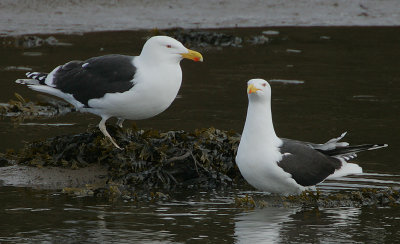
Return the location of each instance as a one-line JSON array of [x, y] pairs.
[[196, 59]]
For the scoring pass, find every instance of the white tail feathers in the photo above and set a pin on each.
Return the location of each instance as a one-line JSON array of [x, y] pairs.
[[346, 169]]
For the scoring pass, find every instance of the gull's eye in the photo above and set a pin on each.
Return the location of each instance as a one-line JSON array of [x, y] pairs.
[[264, 84], [168, 46]]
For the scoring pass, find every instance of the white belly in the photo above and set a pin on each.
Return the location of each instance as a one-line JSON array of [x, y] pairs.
[[152, 94], [263, 173]]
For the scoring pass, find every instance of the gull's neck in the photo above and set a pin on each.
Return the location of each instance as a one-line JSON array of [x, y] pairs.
[[259, 128], [152, 58]]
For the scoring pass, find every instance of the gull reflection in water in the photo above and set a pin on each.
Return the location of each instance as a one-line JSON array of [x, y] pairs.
[[261, 225], [296, 224]]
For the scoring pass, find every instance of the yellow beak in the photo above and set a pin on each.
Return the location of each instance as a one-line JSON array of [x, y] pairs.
[[251, 89], [193, 55]]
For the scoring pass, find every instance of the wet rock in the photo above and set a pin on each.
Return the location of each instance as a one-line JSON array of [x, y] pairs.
[[4, 162], [205, 38], [258, 40], [29, 42], [198, 39], [113, 191], [84, 191], [245, 202], [35, 41]]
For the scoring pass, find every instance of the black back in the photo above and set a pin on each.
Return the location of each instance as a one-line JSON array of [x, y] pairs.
[[306, 165], [105, 74]]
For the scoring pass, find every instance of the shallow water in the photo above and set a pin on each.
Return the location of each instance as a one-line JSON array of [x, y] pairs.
[[212, 217], [325, 81]]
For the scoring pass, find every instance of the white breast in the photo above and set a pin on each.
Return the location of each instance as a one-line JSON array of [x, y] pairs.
[[260, 170], [154, 91]]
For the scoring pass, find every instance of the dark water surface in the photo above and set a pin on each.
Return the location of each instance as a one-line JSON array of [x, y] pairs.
[[350, 81]]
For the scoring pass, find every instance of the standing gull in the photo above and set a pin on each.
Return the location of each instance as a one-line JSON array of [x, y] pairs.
[[285, 166], [126, 87]]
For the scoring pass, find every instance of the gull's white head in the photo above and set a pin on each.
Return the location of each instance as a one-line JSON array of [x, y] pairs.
[[161, 48], [259, 90]]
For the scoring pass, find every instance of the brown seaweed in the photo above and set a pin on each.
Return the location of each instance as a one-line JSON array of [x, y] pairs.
[[152, 159], [354, 198], [210, 39], [153, 162]]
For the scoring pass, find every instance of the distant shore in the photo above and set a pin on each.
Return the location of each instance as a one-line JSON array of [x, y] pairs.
[[19, 17]]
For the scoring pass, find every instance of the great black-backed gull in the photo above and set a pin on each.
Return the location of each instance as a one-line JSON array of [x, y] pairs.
[[126, 87], [285, 166]]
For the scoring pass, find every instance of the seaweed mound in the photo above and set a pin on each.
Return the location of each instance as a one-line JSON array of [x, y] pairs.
[[206, 38], [150, 159], [201, 38], [35, 41]]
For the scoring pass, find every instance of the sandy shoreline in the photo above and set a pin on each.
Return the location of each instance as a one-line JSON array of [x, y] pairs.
[[18, 17], [51, 177]]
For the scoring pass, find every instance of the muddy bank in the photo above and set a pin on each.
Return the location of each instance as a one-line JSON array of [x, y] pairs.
[[52, 177], [19, 17]]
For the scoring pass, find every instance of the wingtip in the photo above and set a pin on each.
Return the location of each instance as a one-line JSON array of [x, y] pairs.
[[377, 146], [381, 145]]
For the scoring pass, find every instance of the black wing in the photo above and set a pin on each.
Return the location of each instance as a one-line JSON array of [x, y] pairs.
[[95, 77], [349, 150], [306, 165]]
